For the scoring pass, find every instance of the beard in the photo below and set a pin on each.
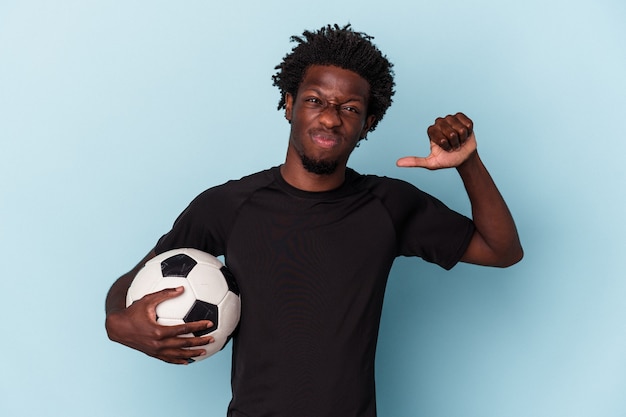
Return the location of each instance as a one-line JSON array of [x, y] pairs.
[[318, 166]]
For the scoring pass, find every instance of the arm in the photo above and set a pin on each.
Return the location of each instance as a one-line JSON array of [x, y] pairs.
[[453, 144], [495, 241], [136, 326]]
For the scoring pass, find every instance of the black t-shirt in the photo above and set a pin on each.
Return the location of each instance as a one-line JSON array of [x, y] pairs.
[[312, 270]]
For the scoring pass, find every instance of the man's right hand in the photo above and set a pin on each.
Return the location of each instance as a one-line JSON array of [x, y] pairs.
[[136, 327]]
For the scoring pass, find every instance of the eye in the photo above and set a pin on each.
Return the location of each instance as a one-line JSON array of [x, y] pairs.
[[351, 109], [313, 100], [352, 112]]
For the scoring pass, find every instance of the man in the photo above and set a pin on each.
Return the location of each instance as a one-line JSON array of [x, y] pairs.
[[311, 242]]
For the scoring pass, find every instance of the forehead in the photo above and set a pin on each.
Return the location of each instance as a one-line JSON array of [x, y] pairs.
[[334, 81]]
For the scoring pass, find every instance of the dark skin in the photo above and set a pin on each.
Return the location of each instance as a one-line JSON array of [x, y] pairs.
[[328, 117]]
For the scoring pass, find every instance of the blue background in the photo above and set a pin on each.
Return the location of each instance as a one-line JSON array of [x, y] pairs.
[[113, 115]]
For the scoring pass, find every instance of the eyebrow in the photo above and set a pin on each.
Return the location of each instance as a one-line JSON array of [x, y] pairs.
[[359, 99]]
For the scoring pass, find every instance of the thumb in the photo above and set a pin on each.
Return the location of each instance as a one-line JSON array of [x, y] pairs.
[[414, 162], [158, 297]]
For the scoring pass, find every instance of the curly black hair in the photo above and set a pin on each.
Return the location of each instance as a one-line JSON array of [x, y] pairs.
[[344, 48]]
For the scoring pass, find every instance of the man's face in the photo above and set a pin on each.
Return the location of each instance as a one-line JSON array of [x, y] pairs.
[[328, 117]]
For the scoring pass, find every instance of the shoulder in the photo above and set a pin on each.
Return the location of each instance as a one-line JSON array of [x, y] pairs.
[[386, 188], [400, 197], [234, 191], [205, 223]]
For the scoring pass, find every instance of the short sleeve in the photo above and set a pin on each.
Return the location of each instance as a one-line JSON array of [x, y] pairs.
[[425, 226]]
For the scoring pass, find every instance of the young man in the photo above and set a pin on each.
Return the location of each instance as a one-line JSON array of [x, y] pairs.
[[311, 242]]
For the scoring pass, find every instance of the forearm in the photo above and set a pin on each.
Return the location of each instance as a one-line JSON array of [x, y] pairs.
[[496, 233], [115, 305], [116, 297]]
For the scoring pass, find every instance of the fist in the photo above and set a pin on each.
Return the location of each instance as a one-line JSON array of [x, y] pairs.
[[451, 132], [452, 142]]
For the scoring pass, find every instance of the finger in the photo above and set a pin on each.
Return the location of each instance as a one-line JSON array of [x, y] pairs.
[[180, 356], [158, 297], [413, 162], [466, 121], [461, 125], [182, 350], [198, 328], [438, 136], [451, 134], [186, 342], [175, 348], [459, 129], [444, 135]]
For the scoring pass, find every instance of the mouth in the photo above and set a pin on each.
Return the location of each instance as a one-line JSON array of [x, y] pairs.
[[324, 139]]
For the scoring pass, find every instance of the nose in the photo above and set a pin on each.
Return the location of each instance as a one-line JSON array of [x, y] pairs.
[[330, 115]]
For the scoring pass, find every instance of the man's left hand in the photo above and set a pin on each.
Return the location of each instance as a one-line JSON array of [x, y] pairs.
[[452, 142]]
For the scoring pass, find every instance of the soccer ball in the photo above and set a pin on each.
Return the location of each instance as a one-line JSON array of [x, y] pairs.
[[211, 293]]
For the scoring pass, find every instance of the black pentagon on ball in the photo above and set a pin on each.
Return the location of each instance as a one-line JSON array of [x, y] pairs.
[[201, 310], [230, 280], [177, 266]]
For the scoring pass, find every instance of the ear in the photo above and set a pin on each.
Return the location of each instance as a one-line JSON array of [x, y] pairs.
[[288, 106], [369, 121]]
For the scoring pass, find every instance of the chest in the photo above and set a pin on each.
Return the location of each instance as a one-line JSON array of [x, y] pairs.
[[281, 246]]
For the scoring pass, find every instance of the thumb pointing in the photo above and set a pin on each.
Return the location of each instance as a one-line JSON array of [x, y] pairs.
[[413, 162]]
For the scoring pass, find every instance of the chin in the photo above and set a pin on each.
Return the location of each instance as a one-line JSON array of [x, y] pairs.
[[319, 166]]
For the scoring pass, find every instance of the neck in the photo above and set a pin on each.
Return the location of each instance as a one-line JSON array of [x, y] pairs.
[[297, 176]]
